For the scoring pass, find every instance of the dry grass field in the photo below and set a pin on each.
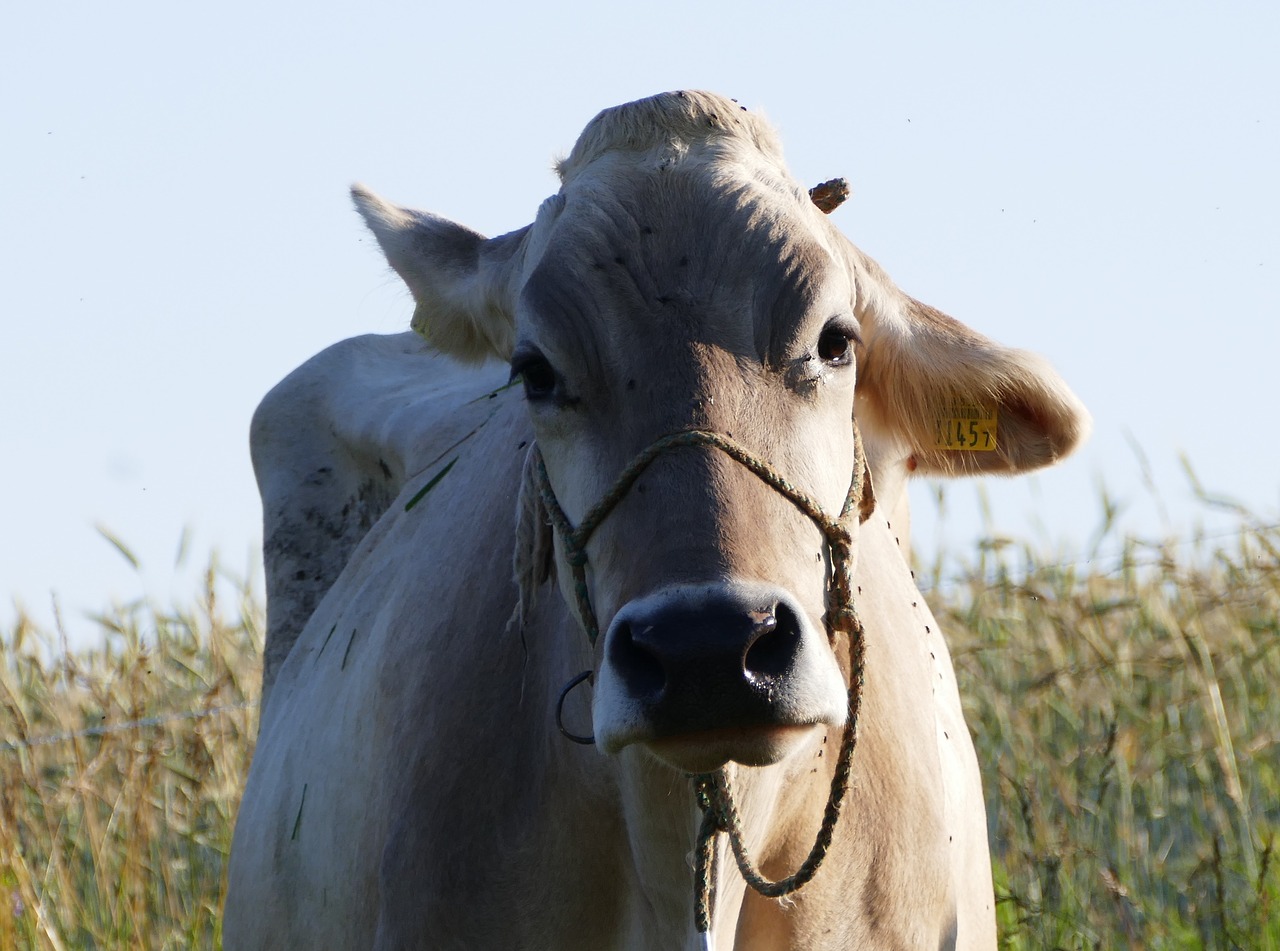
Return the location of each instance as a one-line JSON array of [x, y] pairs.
[[1126, 712], [1127, 719]]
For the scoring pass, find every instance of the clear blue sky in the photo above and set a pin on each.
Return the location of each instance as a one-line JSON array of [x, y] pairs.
[[1096, 181]]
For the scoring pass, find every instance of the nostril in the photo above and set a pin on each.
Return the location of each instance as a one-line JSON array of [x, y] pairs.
[[641, 671], [775, 644]]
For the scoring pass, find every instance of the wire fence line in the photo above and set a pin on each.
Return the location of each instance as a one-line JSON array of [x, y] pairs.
[[124, 726]]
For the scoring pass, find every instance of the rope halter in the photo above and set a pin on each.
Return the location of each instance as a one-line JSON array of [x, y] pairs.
[[711, 790], [840, 615]]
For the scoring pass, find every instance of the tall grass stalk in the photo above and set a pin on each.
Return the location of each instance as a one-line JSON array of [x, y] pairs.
[[115, 818], [1126, 713], [1127, 719]]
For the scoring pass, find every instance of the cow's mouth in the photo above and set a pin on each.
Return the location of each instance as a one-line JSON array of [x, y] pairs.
[[707, 750]]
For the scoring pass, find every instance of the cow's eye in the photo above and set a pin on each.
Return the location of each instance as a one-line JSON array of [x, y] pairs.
[[835, 345], [536, 373]]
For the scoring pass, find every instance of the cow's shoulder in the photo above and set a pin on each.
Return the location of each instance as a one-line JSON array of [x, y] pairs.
[[333, 444]]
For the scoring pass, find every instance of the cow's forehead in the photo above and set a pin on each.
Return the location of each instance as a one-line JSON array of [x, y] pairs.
[[684, 260], [713, 248]]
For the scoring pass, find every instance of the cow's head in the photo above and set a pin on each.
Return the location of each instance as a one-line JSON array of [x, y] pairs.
[[682, 281]]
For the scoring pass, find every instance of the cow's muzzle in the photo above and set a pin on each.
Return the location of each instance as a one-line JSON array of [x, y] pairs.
[[747, 651], [704, 674]]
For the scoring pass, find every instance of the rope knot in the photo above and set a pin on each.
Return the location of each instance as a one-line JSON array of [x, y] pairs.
[[711, 792], [842, 617], [841, 541]]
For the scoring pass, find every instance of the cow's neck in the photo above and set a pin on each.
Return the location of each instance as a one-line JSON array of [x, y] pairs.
[[781, 809], [645, 850]]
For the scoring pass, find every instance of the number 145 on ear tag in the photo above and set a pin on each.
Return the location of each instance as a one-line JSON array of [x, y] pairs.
[[967, 428]]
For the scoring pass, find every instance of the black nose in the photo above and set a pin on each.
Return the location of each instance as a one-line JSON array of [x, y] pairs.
[[706, 662]]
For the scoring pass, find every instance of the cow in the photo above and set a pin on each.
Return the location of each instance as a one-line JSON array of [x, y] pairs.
[[590, 597]]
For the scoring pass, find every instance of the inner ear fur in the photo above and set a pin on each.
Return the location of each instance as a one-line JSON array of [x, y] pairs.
[[917, 364], [460, 281]]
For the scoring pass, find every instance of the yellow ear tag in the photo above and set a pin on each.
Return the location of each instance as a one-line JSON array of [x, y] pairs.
[[966, 428]]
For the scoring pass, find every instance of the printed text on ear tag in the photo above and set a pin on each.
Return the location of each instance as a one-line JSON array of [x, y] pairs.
[[967, 428]]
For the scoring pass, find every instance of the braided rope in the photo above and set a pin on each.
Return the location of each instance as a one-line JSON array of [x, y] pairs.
[[711, 790], [704, 863], [720, 814]]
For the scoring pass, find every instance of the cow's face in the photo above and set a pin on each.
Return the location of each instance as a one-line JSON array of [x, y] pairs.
[[681, 281], [682, 297]]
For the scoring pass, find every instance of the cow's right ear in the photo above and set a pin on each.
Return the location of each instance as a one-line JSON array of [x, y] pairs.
[[461, 281]]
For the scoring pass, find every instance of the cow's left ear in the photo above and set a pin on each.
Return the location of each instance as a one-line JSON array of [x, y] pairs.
[[957, 402], [461, 281]]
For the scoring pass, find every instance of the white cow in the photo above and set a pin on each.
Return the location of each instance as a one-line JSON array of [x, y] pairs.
[[411, 788]]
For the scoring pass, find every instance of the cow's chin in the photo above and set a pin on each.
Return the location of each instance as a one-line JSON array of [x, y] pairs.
[[708, 750]]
